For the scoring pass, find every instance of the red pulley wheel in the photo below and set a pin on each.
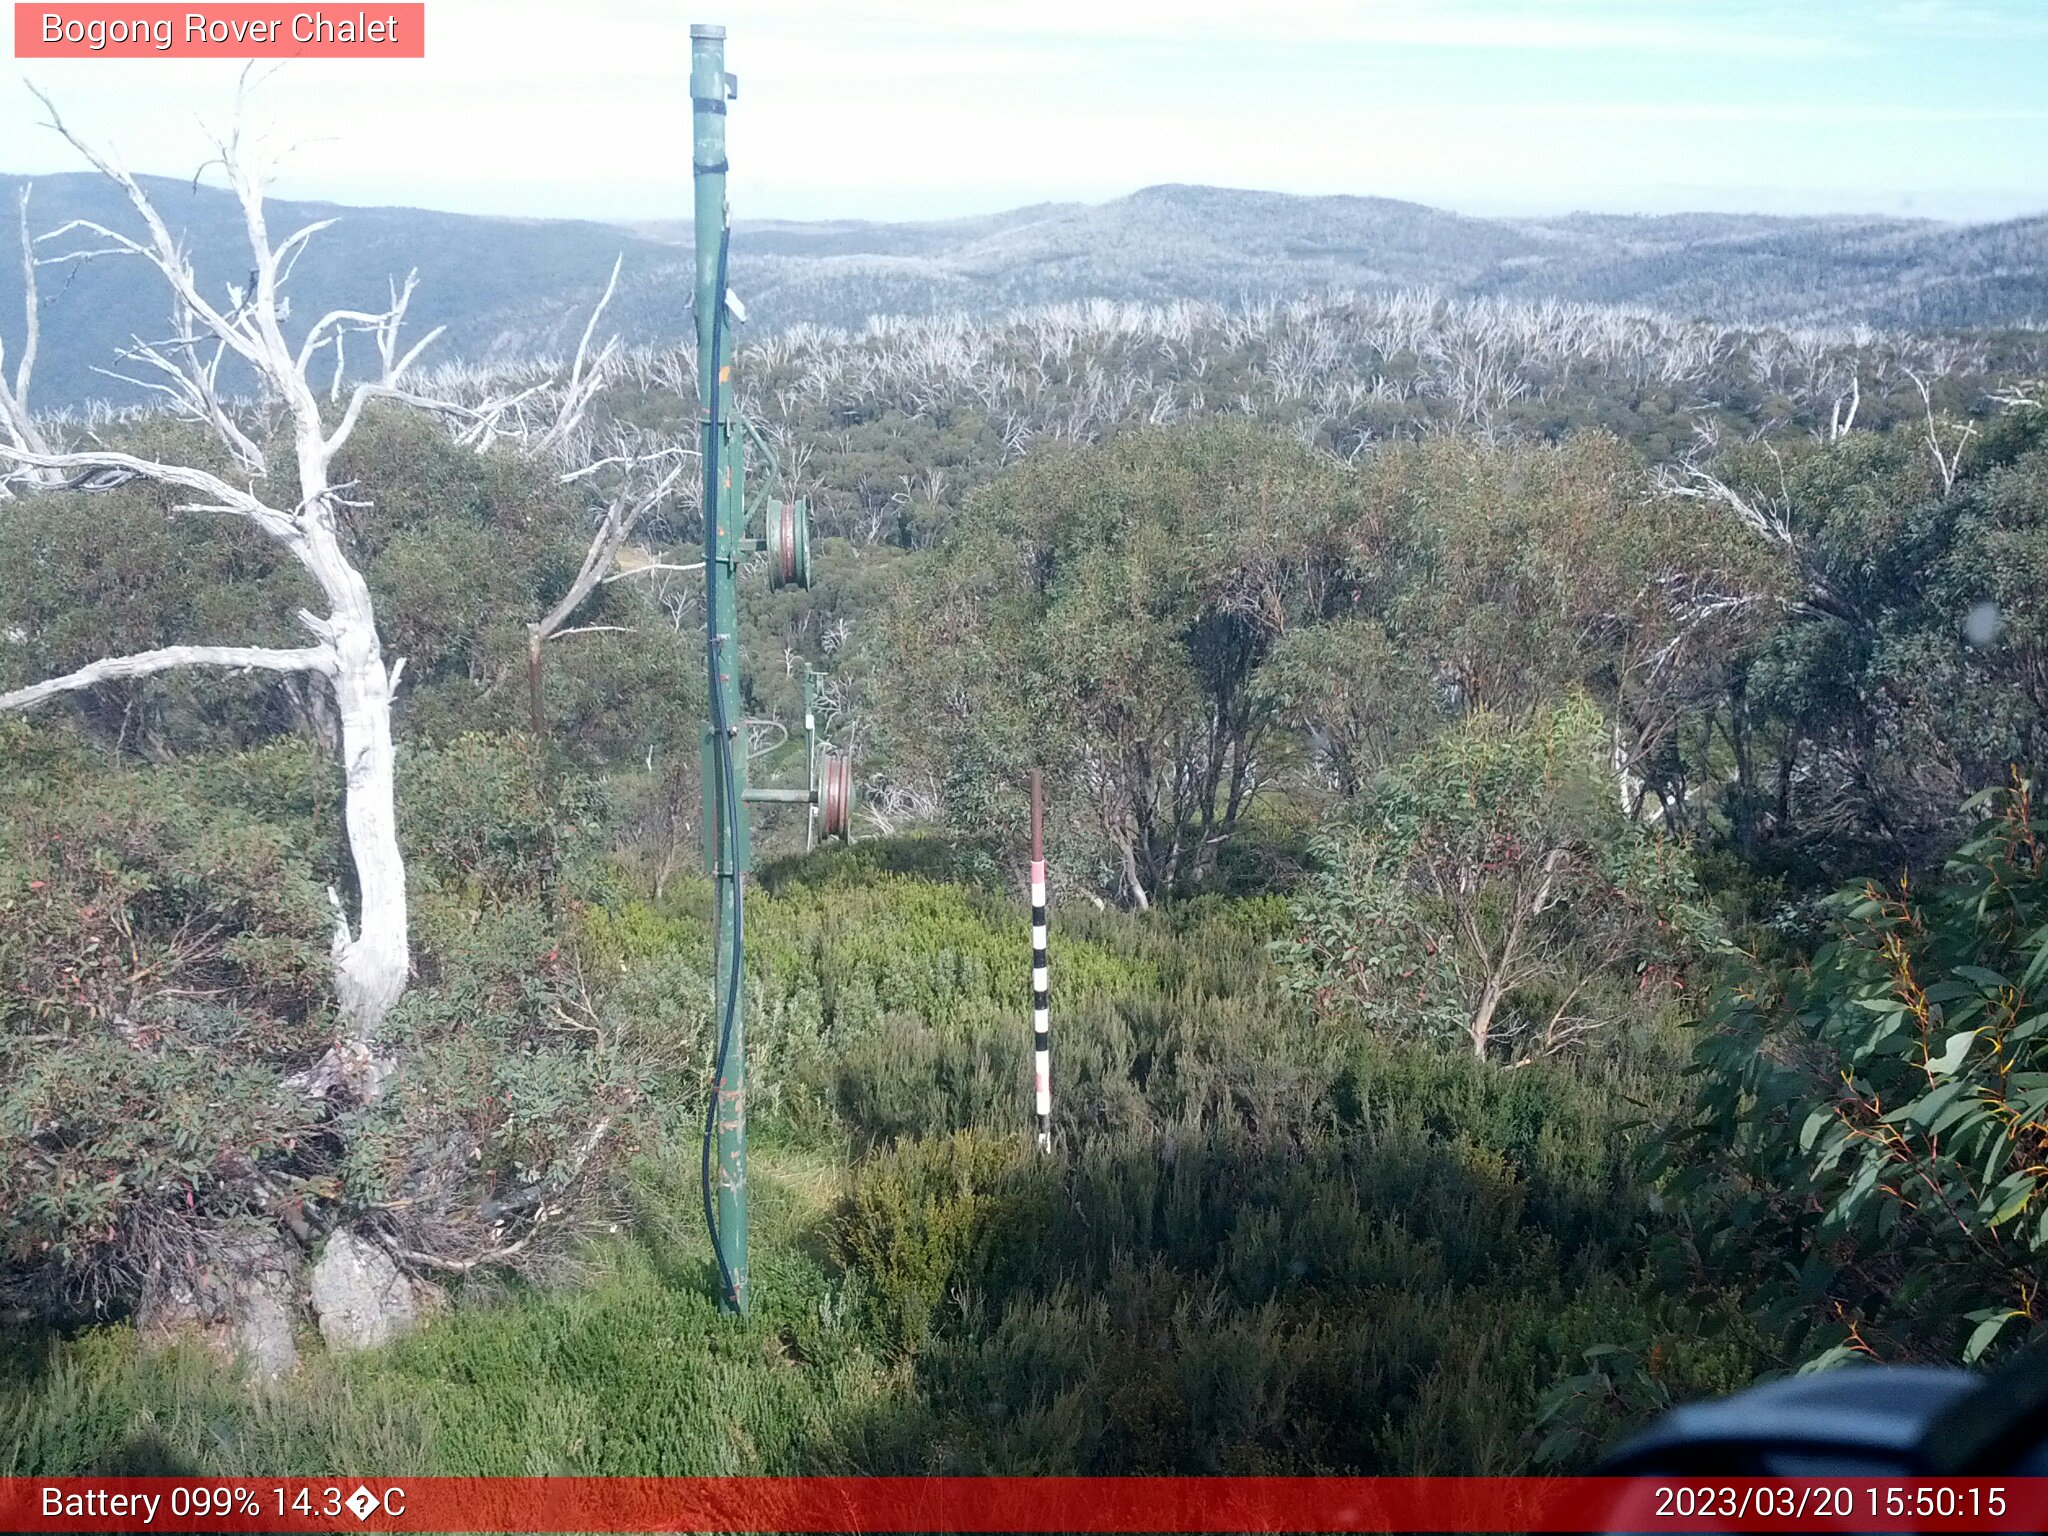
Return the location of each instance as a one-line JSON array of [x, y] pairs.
[[788, 543], [836, 797], [785, 546]]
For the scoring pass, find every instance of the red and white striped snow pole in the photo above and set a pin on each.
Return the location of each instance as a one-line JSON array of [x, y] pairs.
[[1041, 998]]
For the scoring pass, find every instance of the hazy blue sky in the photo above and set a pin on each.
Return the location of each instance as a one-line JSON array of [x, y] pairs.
[[912, 108]]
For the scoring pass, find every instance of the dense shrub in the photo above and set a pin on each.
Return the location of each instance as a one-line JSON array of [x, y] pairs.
[[162, 964], [164, 971], [1384, 1276], [1489, 891], [1878, 1112]]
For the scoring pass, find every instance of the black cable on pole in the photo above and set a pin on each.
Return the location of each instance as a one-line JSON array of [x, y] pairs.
[[714, 494]]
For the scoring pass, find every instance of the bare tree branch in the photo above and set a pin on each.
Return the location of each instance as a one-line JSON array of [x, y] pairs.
[[15, 420], [582, 387], [162, 251], [649, 567], [312, 658], [1946, 463], [621, 516], [103, 469]]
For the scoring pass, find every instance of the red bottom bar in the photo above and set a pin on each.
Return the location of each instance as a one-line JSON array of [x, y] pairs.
[[1022, 1504]]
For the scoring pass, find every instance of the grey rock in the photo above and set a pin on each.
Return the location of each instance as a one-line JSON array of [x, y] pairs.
[[238, 1293], [263, 1336], [359, 1296]]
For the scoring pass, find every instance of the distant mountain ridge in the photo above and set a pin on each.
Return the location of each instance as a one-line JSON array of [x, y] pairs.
[[507, 288]]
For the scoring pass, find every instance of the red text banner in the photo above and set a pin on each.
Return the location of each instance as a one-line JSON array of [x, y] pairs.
[[968, 1504], [232, 31]]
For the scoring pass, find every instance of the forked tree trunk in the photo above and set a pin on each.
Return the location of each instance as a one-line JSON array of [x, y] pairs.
[[1480, 1030]]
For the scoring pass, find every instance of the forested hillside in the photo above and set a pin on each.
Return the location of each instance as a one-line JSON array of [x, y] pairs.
[[509, 289], [1541, 830], [1223, 244]]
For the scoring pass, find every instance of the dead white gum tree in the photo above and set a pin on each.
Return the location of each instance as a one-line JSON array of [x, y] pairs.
[[641, 477], [371, 958], [15, 421]]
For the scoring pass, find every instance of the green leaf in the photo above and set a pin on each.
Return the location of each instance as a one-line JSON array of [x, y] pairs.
[[1851, 1200], [1949, 992], [1951, 1058], [2027, 1028], [1923, 1109], [2038, 942], [1983, 977], [2000, 1144], [1963, 1012], [1828, 1359], [1984, 1333], [2018, 1189], [1957, 1113], [1815, 1124]]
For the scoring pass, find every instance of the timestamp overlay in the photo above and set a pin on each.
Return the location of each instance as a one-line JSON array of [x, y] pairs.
[[934, 1504]]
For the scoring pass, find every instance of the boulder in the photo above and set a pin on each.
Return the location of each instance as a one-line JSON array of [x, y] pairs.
[[263, 1336], [237, 1292], [359, 1296]]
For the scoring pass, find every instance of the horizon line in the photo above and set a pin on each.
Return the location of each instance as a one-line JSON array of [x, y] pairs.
[[1560, 210]]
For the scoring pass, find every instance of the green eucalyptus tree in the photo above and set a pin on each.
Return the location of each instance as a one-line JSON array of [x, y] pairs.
[[1490, 891], [1104, 613]]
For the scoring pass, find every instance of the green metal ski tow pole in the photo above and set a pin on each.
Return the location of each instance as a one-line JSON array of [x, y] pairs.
[[725, 819]]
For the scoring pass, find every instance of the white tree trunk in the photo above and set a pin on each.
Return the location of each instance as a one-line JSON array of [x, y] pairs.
[[372, 967], [1628, 787], [373, 964]]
